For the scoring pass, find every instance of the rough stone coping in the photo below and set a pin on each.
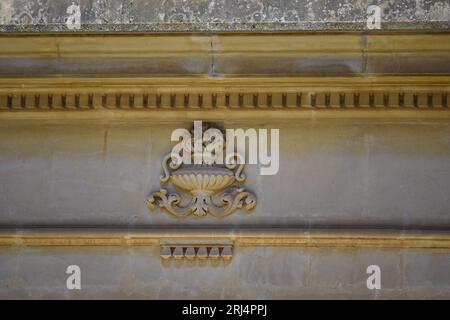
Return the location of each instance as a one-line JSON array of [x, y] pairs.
[[224, 27]]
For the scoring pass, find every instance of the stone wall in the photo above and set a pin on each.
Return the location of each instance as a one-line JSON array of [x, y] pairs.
[[86, 114], [254, 273], [332, 173]]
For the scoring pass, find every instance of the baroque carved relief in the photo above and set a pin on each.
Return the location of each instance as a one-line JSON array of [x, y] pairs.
[[206, 187]]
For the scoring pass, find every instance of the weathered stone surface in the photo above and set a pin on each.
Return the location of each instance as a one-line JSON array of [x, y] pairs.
[[332, 172], [217, 55], [254, 273], [220, 15], [358, 173]]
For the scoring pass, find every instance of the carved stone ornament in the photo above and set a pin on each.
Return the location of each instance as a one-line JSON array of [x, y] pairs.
[[197, 249], [209, 188]]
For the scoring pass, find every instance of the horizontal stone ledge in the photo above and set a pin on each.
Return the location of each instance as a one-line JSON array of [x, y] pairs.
[[226, 27], [198, 93], [175, 116], [344, 238], [101, 83], [223, 100], [216, 54]]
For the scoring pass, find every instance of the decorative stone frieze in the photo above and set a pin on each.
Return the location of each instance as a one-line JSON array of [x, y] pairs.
[[271, 99]]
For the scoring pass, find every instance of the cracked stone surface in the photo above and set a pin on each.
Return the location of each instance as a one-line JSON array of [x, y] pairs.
[[219, 15]]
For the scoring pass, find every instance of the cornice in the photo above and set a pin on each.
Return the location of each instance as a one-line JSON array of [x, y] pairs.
[[218, 54], [174, 98], [176, 76]]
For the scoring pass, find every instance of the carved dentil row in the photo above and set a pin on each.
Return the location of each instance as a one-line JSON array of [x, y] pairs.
[[201, 253], [301, 99]]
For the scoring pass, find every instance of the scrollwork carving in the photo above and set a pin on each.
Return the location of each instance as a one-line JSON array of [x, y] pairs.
[[211, 188]]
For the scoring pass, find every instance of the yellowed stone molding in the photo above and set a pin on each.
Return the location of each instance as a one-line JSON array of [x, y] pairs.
[[255, 237], [300, 99], [187, 98], [291, 53], [191, 93]]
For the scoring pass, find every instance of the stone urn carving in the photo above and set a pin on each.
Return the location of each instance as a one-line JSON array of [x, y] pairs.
[[213, 189]]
